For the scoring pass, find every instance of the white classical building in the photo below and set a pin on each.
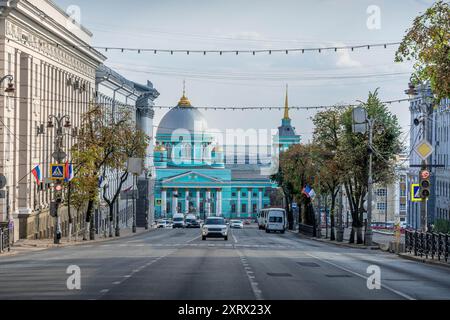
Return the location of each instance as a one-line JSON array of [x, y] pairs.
[[49, 79]]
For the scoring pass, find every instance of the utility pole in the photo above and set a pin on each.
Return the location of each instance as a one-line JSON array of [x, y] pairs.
[[368, 232], [59, 155], [134, 203]]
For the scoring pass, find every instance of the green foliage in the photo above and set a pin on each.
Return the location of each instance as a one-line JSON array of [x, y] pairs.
[[442, 226], [104, 142], [427, 42]]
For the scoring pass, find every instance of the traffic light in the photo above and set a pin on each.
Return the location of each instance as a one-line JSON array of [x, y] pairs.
[[424, 183], [57, 191]]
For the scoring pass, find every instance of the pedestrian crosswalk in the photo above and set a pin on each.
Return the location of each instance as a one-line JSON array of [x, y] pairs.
[[205, 245]]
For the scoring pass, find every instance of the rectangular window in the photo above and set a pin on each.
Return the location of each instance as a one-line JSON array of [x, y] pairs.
[[381, 192], [381, 206]]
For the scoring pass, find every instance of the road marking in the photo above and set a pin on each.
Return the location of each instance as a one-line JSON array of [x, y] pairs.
[[254, 285], [116, 282], [104, 290], [234, 238], [404, 295]]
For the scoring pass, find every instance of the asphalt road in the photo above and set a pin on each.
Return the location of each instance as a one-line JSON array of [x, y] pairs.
[[177, 264]]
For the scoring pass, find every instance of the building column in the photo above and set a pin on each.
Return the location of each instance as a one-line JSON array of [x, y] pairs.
[[249, 205], [163, 202], [260, 199], [238, 203], [174, 201], [197, 202], [208, 202], [186, 201], [219, 202]]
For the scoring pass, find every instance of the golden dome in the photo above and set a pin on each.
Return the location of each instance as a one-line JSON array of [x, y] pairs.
[[184, 101], [160, 148]]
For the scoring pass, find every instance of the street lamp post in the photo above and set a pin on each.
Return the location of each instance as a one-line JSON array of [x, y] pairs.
[[59, 155], [368, 232]]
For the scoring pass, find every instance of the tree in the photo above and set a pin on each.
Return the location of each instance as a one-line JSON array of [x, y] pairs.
[[327, 131], [287, 190], [427, 42], [97, 146], [130, 143], [353, 155]]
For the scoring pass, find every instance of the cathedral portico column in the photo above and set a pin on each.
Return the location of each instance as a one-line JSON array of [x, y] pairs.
[[186, 201], [208, 202], [249, 200], [174, 201], [238, 202], [219, 203], [260, 199], [163, 202], [197, 201]]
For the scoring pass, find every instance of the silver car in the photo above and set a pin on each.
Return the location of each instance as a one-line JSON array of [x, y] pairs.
[[215, 227]]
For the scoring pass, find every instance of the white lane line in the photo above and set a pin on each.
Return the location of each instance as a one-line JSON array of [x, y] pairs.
[[404, 295], [254, 285], [116, 282], [104, 291], [234, 238]]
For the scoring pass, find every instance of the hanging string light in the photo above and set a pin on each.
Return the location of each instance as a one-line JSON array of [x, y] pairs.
[[221, 52]]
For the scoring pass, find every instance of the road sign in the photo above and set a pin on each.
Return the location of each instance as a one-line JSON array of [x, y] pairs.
[[415, 192], [59, 155], [2, 181], [424, 149], [57, 171], [425, 174]]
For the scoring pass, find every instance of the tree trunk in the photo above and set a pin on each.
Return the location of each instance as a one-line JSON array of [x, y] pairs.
[[333, 203], [111, 219], [88, 219]]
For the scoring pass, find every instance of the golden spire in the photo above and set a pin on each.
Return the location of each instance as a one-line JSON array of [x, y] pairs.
[[286, 105], [184, 101]]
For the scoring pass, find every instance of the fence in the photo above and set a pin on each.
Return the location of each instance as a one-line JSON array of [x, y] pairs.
[[5, 244], [428, 244]]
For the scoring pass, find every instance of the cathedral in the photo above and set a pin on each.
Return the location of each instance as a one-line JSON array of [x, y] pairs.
[[196, 175]]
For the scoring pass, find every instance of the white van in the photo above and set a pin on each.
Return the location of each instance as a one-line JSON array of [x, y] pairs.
[[178, 221], [276, 220], [261, 217]]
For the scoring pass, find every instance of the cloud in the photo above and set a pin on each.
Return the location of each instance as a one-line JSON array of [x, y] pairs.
[[344, 60]]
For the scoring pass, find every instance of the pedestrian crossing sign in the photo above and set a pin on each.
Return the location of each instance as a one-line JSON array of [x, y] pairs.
[[415, 192], [57, 171]]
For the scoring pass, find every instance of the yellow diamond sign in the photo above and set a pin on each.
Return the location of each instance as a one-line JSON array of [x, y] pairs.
[[424, 149]]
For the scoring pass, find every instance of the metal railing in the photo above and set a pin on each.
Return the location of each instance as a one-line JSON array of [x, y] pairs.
[[5, 244], [427, 244]]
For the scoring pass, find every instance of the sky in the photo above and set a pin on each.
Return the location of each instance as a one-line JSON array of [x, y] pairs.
[[314, 79]]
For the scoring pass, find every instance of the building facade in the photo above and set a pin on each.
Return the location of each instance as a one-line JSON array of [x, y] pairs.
[[192, 175], [116, 93], [49, 79]]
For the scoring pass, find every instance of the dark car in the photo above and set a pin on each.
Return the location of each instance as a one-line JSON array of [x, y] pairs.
[[192, 223]]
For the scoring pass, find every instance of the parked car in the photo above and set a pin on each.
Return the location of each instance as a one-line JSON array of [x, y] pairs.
[[247, 222], [237, 224], [215, 227]]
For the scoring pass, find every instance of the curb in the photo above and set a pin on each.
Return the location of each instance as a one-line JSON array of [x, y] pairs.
[[70, 244], [423, 260], [339, 244]]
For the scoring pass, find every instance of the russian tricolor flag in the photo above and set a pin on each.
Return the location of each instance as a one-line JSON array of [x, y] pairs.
[[308, 191], [68, 175], [37, 174]]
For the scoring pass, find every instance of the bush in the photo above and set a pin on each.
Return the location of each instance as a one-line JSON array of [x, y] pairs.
[[442, 225]]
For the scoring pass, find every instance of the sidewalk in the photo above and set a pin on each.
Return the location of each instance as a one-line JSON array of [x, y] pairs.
[[26, 245]]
